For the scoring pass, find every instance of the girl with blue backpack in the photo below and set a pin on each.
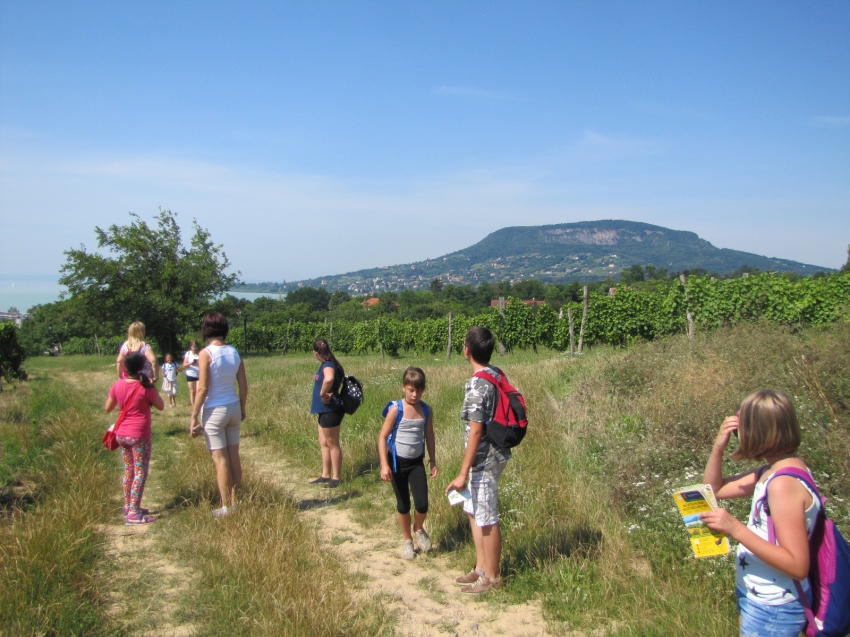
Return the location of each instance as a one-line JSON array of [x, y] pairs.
[[408, 429], [773, 562]]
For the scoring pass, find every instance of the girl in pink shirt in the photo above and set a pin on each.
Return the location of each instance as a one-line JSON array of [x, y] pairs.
[[135, 395]]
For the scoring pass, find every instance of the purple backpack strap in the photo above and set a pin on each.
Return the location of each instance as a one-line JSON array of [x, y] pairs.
[[803, 476]]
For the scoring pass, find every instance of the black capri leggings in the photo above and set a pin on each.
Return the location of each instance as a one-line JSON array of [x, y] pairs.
[[410, 477]]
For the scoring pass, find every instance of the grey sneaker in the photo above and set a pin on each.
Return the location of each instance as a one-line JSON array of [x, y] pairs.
[[483, 585], [221, 513], [423, 540], [407, 552]]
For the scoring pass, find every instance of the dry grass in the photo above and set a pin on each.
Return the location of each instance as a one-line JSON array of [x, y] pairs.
[[588, 522], [262, 571], [55, 494]]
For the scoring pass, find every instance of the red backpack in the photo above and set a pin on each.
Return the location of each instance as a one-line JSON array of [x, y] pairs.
[[509, 423]]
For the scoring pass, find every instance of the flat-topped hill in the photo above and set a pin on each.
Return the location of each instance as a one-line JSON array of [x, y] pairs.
[[560, 253]]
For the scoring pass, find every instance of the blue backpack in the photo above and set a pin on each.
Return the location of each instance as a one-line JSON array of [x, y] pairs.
[[399, 416], [829, 572]]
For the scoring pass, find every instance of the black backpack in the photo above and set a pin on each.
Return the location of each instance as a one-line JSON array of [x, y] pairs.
[[350, 394]]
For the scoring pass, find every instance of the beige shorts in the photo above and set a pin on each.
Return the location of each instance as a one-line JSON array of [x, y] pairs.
[[484, 488], [222, 425]]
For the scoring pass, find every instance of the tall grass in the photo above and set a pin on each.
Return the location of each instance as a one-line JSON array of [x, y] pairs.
[[55, 491], [587, 517], [261, 571]]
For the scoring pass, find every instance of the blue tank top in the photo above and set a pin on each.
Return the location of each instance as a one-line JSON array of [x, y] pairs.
[[317, 406]]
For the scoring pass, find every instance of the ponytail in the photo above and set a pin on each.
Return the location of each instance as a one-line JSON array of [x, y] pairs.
[[321, 347]]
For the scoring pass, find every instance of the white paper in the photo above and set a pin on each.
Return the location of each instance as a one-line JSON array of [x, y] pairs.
[[458, 497]]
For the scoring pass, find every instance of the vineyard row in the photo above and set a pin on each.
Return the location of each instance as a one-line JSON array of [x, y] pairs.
[[623, 317]]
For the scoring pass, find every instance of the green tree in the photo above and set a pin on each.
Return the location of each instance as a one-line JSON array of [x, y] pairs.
[[846, 266], [12, 354], [436, 286], [633, 274], [338, 298], [53, 324], [530, 289], [150, 277], [317, 298]]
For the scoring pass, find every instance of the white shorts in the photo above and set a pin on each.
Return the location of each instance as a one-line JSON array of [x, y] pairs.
[[222, 425], [169, 388], [484, 488]]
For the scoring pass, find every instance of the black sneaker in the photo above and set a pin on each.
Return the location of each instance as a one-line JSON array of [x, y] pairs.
[[331, 484]]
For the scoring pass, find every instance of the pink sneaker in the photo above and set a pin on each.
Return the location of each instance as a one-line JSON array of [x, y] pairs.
[[139, 518]]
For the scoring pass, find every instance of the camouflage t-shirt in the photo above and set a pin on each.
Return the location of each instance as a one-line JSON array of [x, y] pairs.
[[479, 405]]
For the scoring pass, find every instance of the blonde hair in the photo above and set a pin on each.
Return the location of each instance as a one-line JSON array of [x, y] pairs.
[[135, 336], [767, 426]]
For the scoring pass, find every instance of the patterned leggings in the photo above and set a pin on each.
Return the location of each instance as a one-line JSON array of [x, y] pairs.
[[137, 457]]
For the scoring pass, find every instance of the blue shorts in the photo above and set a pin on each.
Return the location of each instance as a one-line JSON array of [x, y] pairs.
[[761, 620]]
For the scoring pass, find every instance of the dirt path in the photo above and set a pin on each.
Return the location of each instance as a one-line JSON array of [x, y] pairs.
[[149, 585], [421, 594]]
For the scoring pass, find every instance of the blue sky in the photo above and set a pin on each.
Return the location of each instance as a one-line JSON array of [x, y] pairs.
[[322, 137]]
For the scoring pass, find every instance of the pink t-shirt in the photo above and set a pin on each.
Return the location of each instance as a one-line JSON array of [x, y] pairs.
[[137, 421]]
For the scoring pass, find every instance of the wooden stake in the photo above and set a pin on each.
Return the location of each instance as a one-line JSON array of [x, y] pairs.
[[572, 332], [689, 314], [583, 320], [502, 312], [449, 348], [286, 343]]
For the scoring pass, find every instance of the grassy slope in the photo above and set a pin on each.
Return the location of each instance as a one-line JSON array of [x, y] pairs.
[[55, 490], [260, 573], [589, 524]]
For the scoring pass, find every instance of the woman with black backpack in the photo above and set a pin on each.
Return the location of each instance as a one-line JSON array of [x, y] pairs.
[[327, 405]]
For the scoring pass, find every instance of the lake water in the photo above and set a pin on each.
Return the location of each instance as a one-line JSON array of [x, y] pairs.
[[24, 292]]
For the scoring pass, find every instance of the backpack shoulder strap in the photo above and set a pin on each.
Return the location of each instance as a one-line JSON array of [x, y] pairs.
[[806, 479], [391, 438], [487, 376], [426, 409]]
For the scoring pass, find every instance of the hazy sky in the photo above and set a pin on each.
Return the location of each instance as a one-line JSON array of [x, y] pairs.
[[322, 137]]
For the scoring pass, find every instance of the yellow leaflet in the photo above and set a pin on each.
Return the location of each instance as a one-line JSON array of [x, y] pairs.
[[691, 501]]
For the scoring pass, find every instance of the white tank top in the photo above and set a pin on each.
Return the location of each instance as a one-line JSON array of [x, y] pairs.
[[762, 583], [223, 367]]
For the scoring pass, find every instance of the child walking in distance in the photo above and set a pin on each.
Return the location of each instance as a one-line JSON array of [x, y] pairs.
[[768, 597], [134, 394], [169, 379], [482, 466], [408, 429]]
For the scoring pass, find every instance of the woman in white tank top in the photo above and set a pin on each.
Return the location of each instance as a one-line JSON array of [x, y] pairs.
[[221, 369]]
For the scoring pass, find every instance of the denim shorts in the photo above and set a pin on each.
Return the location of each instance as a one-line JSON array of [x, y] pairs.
[[761, 620]]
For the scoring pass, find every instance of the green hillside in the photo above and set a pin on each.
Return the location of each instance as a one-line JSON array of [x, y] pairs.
[[586, 251]]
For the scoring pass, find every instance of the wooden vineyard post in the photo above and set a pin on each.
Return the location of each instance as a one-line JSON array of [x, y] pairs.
[[286, 342], [449, 347], [502, 312], [583, 320], [331, 334], [690, 315], [572, 332]]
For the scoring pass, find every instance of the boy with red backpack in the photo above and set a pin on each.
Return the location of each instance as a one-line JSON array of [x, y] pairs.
[[494, 415]]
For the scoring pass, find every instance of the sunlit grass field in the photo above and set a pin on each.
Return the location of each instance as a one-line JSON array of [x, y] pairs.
[[589, 525]]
